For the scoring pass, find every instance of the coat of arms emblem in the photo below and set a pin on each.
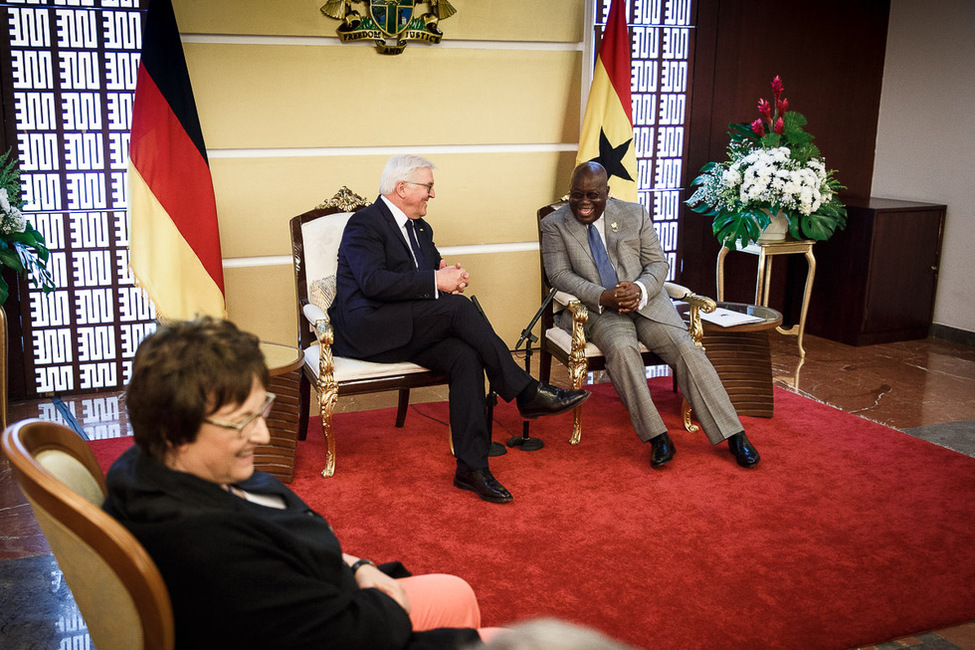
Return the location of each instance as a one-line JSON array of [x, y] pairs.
[[391, 23]]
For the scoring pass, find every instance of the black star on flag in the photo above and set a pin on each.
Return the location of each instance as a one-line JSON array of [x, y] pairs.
[[611, 157], [606, 133]]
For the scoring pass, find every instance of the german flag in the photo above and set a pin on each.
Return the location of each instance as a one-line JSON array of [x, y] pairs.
[[607, 127], [174, 242]]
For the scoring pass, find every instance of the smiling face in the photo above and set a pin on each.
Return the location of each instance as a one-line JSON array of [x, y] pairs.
[[590, 189], [223, 455], [415, 193]]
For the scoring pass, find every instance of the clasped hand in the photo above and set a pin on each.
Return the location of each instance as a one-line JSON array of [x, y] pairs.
[[624, 297], [452, 279], [369, 577]]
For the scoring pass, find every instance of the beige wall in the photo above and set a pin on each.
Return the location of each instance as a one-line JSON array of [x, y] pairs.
[[926, 134], [290, 114]]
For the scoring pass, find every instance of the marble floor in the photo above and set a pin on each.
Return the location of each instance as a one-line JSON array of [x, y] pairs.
[[925, 388]]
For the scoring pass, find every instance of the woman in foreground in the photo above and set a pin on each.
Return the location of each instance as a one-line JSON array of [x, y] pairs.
[[247, 563]]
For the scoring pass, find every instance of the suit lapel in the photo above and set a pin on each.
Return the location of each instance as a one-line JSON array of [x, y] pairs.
[[580, 232], [611, 226], [394, 230]]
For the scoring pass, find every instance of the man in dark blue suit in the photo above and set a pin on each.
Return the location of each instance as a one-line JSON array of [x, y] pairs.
[[398, 300]]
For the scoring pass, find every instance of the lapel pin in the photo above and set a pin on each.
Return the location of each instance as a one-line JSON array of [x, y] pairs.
[[614, 227]]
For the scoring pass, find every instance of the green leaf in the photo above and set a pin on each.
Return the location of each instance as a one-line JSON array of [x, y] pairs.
[[10, 258]]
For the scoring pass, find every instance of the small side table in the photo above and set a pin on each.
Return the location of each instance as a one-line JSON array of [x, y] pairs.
[[742, 358], [766, 251], [278, 456]]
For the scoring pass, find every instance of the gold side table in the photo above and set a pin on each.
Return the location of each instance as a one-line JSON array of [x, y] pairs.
[[766, 251]]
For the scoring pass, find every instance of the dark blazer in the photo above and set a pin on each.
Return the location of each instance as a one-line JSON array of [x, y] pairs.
[[241, 575], [377, 282]]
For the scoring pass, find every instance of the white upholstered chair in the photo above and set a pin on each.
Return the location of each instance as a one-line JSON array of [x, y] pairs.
[[315, 238], [579, 355]]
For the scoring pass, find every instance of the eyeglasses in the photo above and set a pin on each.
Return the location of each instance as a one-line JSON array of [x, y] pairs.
[[592, 196], [265, 412], [429, 186]]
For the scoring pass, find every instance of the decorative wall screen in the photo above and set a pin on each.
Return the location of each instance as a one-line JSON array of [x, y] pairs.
[[661, 36], [661, 44], [68, 85]]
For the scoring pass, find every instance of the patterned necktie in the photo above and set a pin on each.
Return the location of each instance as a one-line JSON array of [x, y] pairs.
[[607, 274], [414, 244]]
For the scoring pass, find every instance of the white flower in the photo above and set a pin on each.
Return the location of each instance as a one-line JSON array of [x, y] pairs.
[[11, 218]]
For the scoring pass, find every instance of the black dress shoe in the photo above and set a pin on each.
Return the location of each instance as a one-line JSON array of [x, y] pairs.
[[743, 450], [549, 400], [662, 449], [483, 484]]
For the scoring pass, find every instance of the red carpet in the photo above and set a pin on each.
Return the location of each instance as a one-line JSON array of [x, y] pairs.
[[848, 532]]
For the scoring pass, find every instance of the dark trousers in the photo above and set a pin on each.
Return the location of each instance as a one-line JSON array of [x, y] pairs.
[[451, 336]]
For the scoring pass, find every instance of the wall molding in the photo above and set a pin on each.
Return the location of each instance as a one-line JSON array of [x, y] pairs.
[[324, 152], [333, 41], [483, 249]]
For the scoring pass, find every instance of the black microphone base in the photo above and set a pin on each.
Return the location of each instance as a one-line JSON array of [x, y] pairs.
[[526, 444]]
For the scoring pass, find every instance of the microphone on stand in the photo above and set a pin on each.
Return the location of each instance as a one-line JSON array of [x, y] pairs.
[[525, 441]]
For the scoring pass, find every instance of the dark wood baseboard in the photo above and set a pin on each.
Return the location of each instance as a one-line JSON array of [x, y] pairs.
[[952, 335]]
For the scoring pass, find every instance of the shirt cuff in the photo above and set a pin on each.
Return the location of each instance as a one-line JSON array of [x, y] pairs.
[[643, 295]]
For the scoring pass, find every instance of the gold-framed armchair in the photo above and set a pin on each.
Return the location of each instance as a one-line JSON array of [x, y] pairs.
[[579, 355], [315, 239]]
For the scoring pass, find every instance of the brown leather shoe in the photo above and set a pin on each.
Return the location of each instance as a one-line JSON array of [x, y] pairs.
[[549, 400], [482, 483]]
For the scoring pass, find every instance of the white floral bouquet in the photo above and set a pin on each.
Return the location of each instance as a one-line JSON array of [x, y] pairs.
[[21, 247], [772, 167]]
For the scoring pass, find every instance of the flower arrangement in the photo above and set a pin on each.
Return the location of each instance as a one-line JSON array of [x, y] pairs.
[[21, 247], [772, 167]]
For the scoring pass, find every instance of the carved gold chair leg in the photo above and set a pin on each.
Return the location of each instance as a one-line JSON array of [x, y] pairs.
[[696, 330], [685, 414], [578, 364], [328, 392]]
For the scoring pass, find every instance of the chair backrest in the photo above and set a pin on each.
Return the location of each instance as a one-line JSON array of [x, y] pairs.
[[543, 212], [115, 583], [315, 239], [548, 316]]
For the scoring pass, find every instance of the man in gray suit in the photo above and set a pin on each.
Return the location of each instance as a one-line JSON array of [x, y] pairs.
[[622, 284]]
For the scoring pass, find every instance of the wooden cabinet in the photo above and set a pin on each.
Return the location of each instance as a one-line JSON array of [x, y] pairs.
[[876, 280]]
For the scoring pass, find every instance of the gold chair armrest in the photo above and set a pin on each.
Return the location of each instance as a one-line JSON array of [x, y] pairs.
[[695, 326]]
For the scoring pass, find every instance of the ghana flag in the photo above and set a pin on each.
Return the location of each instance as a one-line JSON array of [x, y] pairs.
[[607, 127], [174, 243]]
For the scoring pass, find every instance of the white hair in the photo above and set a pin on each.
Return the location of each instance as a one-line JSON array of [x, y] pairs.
[[401, 168]]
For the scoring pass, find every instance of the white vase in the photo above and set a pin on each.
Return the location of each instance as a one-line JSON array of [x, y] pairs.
[[777, 230]]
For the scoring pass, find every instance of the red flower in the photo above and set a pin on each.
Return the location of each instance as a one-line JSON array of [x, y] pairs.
[[777, 86], [758, 128], [765, 109], [779, 126], [781, 106]]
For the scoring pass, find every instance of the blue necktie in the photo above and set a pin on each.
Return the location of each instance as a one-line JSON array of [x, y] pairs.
[[607, 274], [414, 244]]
